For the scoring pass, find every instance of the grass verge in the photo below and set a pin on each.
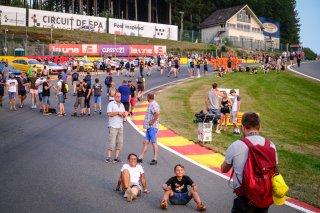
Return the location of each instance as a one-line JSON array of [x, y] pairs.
[[289, 108]]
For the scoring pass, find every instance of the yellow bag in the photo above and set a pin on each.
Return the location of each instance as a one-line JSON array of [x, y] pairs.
[[279, 189]]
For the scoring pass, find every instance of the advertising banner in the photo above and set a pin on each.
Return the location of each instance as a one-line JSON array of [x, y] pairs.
[[271, 27], [75, 49], [48, 19], [114, 50], [143, 29], [106, 49], [12, 16]]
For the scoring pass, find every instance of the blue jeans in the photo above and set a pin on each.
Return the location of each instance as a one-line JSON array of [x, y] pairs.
[[180, 198], [217, 115]]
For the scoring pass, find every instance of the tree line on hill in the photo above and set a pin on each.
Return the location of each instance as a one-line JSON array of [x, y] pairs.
[[195, 11]]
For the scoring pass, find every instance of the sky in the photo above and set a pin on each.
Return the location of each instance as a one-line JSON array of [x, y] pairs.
[[309, 14]]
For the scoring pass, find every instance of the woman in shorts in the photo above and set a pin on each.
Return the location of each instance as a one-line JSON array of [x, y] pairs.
[[225, 110]]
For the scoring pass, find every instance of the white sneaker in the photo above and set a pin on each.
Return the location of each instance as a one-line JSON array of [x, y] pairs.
[[218, 131]]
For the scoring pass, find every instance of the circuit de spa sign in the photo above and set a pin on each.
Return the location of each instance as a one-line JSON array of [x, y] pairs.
[[48, 19]]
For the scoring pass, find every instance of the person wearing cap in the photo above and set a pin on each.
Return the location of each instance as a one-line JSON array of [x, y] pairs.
[[39, 83], [235, 108], [237, 155]]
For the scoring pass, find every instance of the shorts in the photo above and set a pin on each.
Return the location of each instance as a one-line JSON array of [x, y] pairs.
[[79, 101], [133, 102], [40, 96], [151, 135], [12, 95], [45, 100], [34, 91], [140, 87], [87, 102], [75, 83], [22, 92], [126, 106], [1, 92], [180, 198], [217, 115], [132, 70], [115, 138], [233, 117], [60, 98], [97, 99]]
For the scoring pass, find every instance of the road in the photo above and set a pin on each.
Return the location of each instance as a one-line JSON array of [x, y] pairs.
[[311, 69], [56, 164]]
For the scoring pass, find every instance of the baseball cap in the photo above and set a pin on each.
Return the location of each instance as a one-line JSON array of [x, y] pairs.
[[232, 91], [279, 189]]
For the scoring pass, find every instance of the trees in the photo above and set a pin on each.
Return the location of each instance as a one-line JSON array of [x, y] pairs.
[[309, 54]]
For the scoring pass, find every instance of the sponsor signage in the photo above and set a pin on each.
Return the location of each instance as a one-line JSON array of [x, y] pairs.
[[143, 29], [48, 19], [271, 27], [104, 49], [115, 50], [12, 16]]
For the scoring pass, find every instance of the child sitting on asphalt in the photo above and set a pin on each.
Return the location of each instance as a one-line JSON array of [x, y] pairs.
[[176, 190]]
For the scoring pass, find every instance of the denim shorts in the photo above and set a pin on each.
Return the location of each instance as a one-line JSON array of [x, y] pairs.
[[151, 135], [180, 198], [45, 100], [60, 98], [40, 96], [97, 99], [217, 115], [12, 95]]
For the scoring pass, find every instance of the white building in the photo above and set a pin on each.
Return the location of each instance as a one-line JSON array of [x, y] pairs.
[[239, 24]]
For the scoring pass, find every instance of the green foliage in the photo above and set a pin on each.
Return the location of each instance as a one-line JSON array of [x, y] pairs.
[[309, 54]]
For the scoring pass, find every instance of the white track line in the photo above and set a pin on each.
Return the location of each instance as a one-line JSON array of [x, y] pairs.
[[299, 73], [196, 163]]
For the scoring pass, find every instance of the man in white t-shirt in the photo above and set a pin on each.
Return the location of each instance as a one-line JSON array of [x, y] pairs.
[[131, 178], [39, 83], [235, 108], [12, 91]]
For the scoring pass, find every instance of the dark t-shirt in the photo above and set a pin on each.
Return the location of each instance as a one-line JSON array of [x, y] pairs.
[[3, 81], [45, 92], [132, 91], [97, 89], [20, 84], [179, 186], [33, 82], [81, 93], [125, 93], [75, 76], [88, 88]]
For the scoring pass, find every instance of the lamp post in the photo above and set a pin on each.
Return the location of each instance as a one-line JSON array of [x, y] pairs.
[[51, 30], [181, 27], [5, 41]]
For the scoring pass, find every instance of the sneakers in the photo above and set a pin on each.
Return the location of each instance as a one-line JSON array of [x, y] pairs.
[[218, 131], [74, 114], [164, 205], [100, 112], [117, 160], [201, 207], [108, 160], [140, 160], [129, 194], [153, 162]]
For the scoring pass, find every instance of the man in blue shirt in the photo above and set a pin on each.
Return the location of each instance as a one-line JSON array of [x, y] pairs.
[[125, 95]]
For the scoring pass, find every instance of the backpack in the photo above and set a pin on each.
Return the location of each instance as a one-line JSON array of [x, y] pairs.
[[64, 88], [257, 173], [108, 80]]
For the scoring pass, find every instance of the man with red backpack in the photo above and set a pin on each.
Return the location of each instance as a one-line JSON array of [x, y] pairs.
[[254, 161]]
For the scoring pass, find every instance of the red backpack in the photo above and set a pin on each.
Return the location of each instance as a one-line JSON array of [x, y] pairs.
[[257, 173]]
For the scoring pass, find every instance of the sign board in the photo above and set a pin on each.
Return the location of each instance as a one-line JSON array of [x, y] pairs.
[[271, 27], [143, 29], [13, 16], [105, 49], [48, 19]]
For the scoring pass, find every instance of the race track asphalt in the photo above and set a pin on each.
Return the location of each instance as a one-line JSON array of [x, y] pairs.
[[56, 164], [310, 68]]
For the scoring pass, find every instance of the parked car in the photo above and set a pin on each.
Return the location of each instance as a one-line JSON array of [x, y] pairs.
[[54, 68], [17, 73], [87, 65], [24, 64]]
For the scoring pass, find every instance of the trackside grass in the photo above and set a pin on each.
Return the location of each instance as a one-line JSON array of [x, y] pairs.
[[289, 108]]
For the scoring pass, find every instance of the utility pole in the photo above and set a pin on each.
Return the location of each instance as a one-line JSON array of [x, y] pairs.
[[136, 10], [181, 27], [149, 11], [5, 41]]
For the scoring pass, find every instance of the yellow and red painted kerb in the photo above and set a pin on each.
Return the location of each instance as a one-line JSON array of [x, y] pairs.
[[198, 153]]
